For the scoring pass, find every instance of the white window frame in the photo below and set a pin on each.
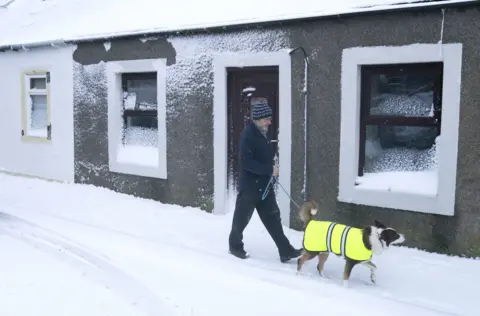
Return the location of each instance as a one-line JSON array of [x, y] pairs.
[[352, 58], [115, 69], [26, 111]]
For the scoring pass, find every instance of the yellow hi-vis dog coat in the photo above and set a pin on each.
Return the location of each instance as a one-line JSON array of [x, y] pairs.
[[340, 239]]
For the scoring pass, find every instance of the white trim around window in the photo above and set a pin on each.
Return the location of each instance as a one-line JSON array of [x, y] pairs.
[[115, 69], [352, 59], [36, 122]]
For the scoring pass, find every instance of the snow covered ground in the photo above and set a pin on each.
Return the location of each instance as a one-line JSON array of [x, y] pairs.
[[69, 249]]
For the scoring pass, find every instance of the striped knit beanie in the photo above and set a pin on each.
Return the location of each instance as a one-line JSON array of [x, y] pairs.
[[261, 110]]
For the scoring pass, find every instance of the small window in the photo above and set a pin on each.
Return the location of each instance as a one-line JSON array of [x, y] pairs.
[[400, 125], [36, 109], [140, 120]]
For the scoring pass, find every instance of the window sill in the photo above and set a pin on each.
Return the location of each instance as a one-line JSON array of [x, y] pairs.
[[137, 170], [414, 182], [144, 156], [394, 200], [128, 162], [35, 139], [425, 196]]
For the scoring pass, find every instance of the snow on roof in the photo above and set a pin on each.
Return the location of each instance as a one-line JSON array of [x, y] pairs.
[[42, 22]]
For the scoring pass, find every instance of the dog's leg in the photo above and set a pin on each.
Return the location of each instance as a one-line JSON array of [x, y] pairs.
[[322, 257], [304, 258], [373, 269], [349, 264]]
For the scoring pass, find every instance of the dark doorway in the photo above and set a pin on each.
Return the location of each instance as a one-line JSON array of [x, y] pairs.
[[245, 86]]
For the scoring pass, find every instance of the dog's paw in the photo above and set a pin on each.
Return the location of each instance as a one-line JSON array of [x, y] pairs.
[[299, 273], [345, 283]]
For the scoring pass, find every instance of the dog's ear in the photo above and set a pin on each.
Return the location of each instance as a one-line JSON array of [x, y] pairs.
[[379, 225]]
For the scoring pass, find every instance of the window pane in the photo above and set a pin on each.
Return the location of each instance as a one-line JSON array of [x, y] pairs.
[[143, 121], [38, 116], [400, 148], [38, 83], [141, 131], [140, 91], [402, 93]]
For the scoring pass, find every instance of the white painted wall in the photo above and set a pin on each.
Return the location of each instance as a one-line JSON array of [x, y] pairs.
[[51, 160]]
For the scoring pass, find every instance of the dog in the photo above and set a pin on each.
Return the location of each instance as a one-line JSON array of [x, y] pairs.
[[356, 245]]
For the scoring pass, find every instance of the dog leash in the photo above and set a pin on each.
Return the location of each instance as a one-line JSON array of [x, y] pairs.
[[269, 185], [267, 188]]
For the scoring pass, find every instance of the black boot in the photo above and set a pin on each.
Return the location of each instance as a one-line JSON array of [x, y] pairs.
[[239, 253], [294, 254]]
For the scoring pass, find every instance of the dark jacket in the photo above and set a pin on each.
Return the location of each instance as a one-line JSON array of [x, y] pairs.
[[256, 160]]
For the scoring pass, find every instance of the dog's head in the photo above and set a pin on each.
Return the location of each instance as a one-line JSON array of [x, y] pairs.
[[382, 237]]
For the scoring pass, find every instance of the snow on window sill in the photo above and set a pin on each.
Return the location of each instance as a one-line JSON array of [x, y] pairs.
[[396, 200], [409, 191], [144, 161], [36, 136], [408, 182], [134, 168], [138, 155], [42, 133]]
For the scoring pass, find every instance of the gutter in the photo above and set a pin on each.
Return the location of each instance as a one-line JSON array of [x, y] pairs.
[[26, 47], [242, 25]]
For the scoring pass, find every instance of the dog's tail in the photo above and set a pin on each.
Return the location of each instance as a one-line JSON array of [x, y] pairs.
[[308, 210]]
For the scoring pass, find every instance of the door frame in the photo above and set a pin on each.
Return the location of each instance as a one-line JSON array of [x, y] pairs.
[[256, 76], [221, 62]]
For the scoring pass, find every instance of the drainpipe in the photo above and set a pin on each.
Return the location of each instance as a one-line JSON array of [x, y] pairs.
[[305, 124]]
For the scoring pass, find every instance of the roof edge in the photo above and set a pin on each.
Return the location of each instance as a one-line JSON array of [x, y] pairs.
[[359, 11], [5, 6]]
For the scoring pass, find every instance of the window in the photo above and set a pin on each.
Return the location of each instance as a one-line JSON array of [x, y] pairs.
[[399, 126], [140, 123], [36, 106], [137, 127]]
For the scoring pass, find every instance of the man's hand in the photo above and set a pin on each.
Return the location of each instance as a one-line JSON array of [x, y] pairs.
[[275, 171]]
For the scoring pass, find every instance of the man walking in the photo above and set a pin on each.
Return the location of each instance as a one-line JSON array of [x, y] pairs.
[[256, 169]]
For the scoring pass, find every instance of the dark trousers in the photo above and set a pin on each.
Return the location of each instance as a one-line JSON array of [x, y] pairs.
[[269, 213]]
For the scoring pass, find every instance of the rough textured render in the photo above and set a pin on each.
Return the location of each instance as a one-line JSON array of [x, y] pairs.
[[324, 42], [189, 111]]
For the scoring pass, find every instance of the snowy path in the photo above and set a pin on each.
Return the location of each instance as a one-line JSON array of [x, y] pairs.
[[92, 265], [33, 283], [152, 256]]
